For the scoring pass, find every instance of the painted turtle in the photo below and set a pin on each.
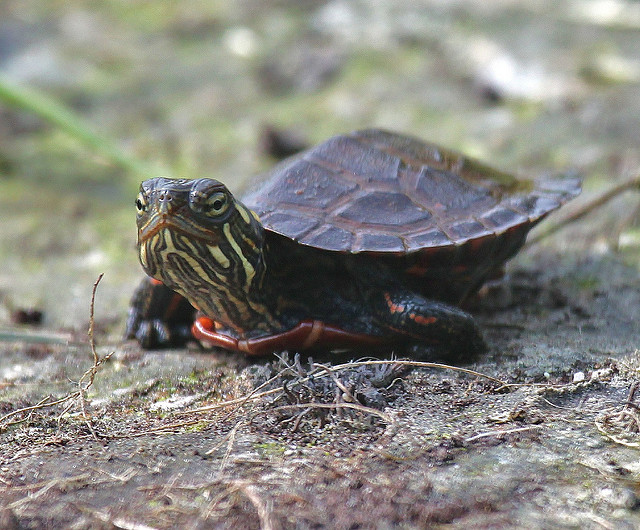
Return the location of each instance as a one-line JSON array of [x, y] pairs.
[[368, 239]]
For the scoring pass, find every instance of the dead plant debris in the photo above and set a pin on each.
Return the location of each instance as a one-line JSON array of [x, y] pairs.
[[622, 425]]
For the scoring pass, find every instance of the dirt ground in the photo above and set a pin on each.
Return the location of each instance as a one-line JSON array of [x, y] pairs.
[[540, 432], [552, 444]]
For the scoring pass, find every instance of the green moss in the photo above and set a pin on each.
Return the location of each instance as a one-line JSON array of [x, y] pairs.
[[197, 427], [270, 449]]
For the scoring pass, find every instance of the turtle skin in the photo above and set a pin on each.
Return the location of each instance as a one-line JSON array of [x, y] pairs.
[[370, 239]]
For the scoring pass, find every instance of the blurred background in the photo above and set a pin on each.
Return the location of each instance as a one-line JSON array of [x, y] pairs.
[[218, 88]]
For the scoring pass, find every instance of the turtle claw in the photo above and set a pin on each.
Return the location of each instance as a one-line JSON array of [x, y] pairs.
[[153, 334], [158, 317], [156, 333]]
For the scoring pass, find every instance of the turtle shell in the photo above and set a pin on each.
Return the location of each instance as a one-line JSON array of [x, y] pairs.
[[374, 191]]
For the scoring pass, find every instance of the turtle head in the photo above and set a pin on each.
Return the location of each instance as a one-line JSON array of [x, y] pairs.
[[195, 237], [199, 209]]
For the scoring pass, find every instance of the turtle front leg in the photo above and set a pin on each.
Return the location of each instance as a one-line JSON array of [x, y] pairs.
[[418, 320], [159, 317]]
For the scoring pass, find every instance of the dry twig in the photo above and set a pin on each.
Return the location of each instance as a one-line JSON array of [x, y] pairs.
[[622, 426], [633, 183], [346, 405], [84, 382], [501, 433], [263, 508]]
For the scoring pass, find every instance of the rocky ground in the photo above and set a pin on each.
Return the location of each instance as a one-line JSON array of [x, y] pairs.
[[543, 434]]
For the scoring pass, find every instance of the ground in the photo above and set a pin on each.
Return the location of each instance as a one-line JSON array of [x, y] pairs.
[[542, 434]]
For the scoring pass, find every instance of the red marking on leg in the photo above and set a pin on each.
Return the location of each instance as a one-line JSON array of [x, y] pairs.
[[307, 334], [207, 323], [394, 308], [424, 321]]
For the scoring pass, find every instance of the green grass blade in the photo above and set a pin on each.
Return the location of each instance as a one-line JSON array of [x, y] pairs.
[[50, 110]]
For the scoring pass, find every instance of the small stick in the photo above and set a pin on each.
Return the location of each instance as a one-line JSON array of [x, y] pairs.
[[231, 440], [354, 406], [40, 405], [92, 339], [499, 433], [262, 507]]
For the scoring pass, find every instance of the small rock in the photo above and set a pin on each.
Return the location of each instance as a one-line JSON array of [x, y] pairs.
[[578, 377]]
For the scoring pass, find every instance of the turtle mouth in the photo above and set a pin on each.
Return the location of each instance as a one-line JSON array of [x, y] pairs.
[[165, 221], [150, 229]]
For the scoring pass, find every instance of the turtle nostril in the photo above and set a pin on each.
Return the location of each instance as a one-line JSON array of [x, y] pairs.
[[165, 203]]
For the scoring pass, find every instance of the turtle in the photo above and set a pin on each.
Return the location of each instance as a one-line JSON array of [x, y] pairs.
[[369, 240]]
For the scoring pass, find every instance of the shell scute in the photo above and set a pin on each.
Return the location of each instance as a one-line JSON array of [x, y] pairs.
[[294, 226], [434, 237], [379, 242], [466, 230], [309, 185], [332, 237], [445, 191], [384, 208], [501, 218], [351, 156], [534, 206]]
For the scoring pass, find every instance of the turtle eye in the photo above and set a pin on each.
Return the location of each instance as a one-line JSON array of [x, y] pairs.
[[217, 203], [213, 206], [141, 203]]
